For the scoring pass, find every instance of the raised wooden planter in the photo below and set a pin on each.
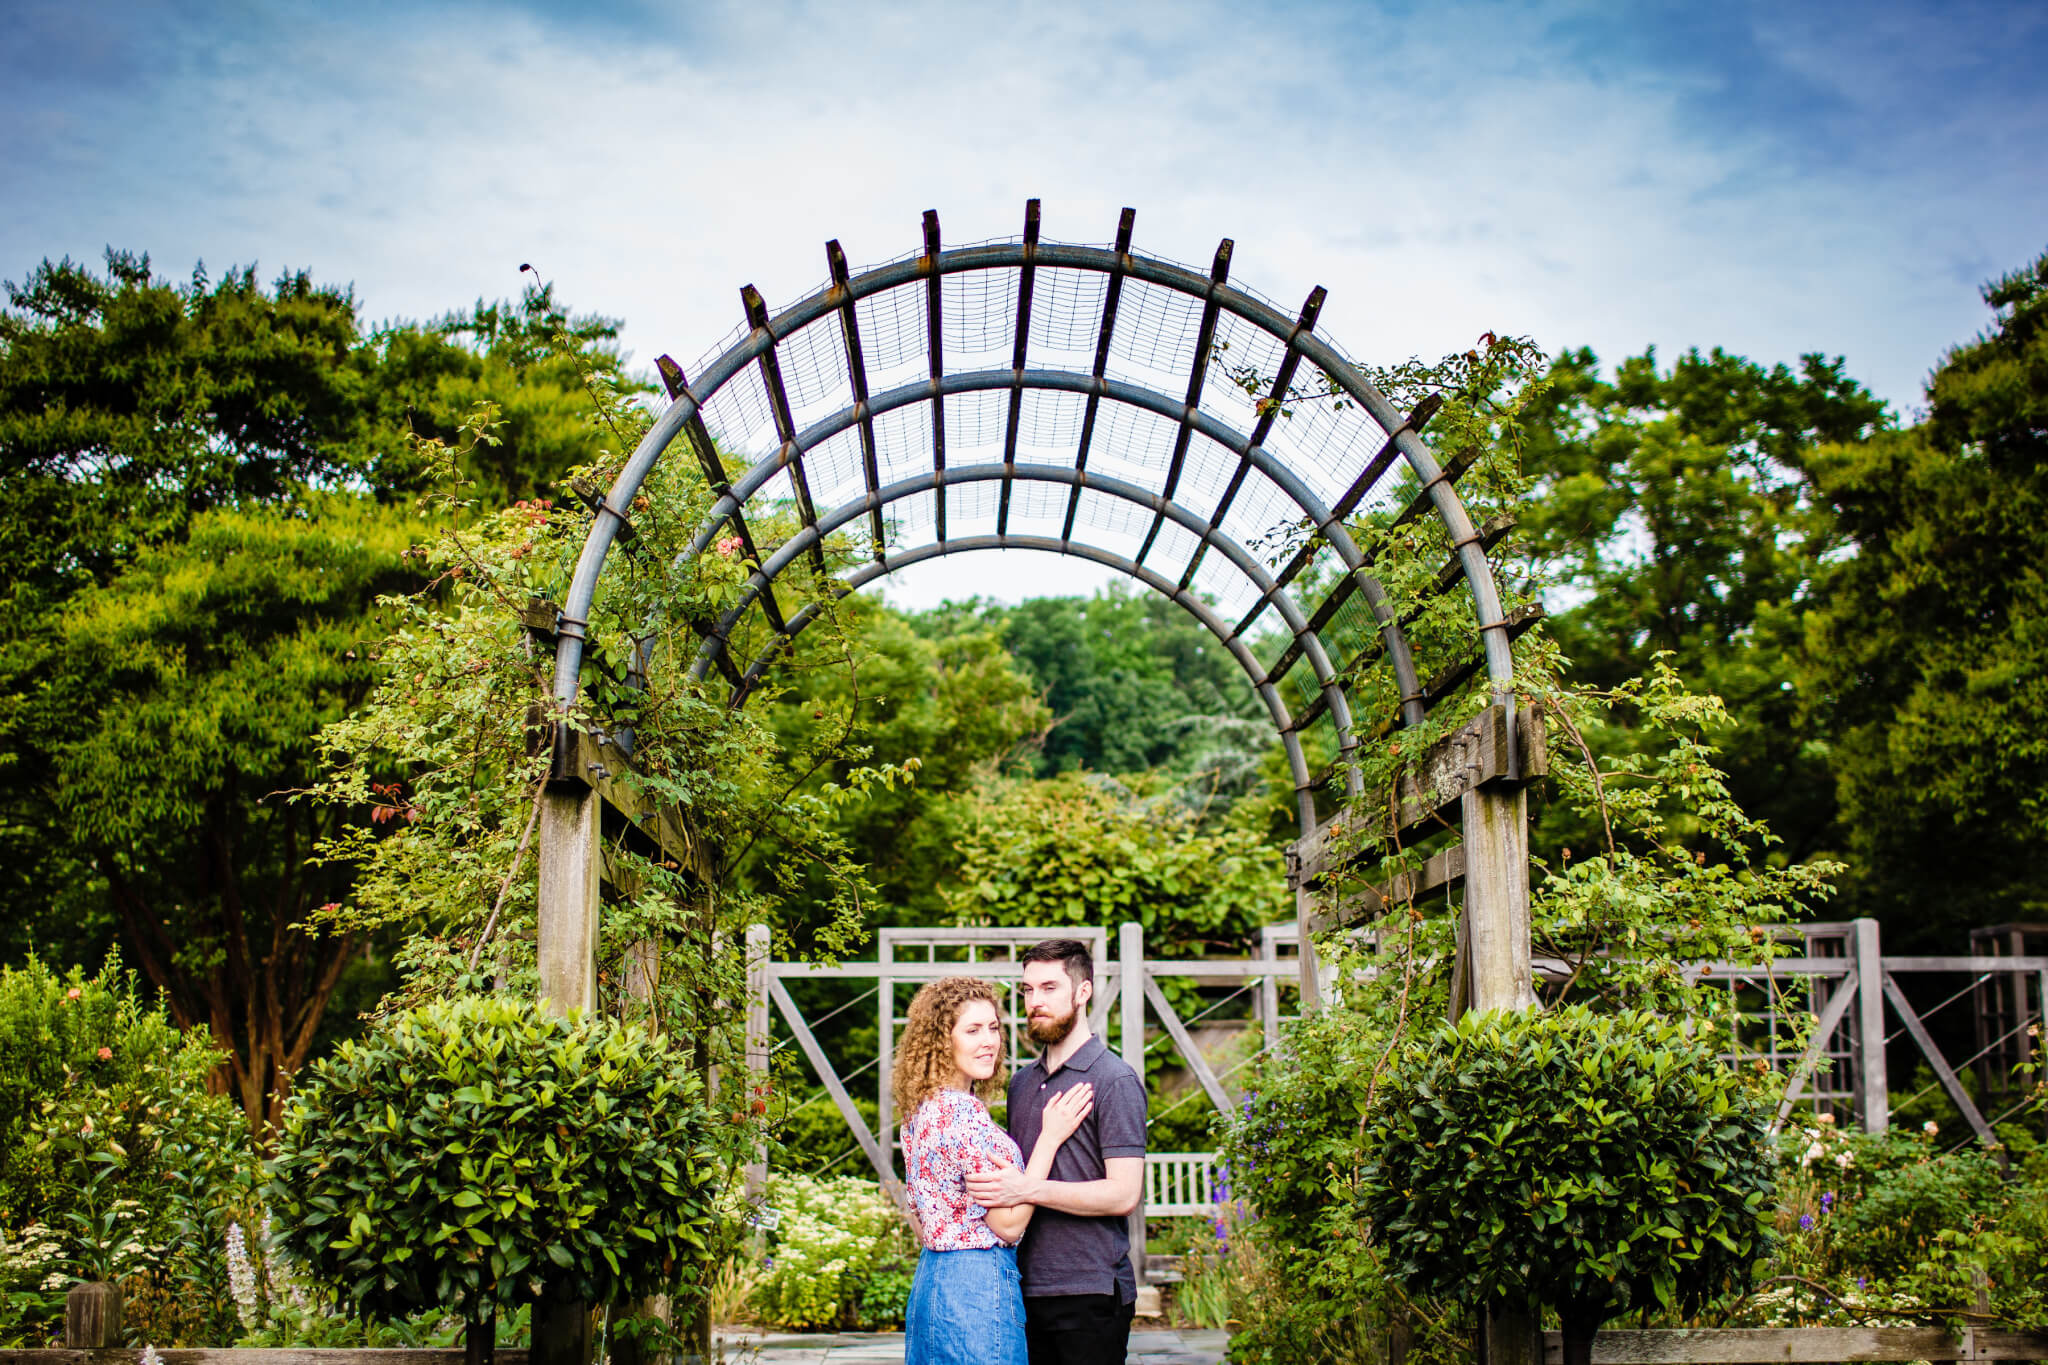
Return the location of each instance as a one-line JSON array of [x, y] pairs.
[[1811, 1345]]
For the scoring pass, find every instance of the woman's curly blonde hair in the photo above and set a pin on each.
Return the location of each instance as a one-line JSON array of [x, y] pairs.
[[924, 1058]]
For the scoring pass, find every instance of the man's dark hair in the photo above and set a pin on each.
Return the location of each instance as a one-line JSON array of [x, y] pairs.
[[1072, 954]]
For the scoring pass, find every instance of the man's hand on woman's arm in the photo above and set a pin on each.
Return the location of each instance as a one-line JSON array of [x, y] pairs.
[[1112, 1196]]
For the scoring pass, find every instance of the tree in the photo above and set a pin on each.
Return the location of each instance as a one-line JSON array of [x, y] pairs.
[[193, 684], [1587, 1163], [1086, 849], [1926, 646], [1133, 682], [956, 702], [203, 490], [1672, 510]]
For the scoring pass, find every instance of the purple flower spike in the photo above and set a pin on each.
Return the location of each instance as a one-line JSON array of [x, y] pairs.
[[1805, 1222]]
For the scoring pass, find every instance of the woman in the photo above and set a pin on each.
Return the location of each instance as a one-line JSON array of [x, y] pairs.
[[967, 1301]]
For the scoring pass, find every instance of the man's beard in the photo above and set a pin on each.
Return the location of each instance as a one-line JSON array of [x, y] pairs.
[[1050, 1032]]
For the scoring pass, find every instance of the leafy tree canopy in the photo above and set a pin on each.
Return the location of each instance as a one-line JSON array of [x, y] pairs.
[[1926, 647], [204, 487]]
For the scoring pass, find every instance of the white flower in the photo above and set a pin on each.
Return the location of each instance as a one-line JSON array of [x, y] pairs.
[[1813, 1154], [1845, 1159], [1930, 1127], [241, 1278], [150, 1357], [1827, 1120]]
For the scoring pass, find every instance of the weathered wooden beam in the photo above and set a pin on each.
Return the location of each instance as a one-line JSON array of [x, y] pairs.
[[934, 320], [1873, 1086], [567, 898], [1479, 752], [1192, 1055], [1113, 291], [1274, 400], [1949, 1080], [92, 1315], [1374, 470], [1799, 1345], [785, 422], [1443, 869], [1520, 622], [677, 383], [1824, 1028], [857, 379], [882, 1162], [2015, 965], [1495, 819], [582, 760], [1020, 346], [1452, 573], [1198, 374]]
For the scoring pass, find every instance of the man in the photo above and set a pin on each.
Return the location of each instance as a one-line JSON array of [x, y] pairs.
[[1079, 1289]]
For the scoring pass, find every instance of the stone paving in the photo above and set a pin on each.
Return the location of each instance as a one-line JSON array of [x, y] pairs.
[[1149, 1346]]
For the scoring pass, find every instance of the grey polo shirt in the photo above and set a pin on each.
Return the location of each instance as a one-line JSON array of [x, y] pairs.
[[1067, 1253]]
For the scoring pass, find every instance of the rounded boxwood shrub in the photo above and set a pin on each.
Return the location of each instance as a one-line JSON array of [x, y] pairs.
[[1582, 1162], [474, 1155]]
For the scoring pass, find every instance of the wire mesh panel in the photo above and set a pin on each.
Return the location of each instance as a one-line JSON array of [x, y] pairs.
[[1133, 445], [978, 318], [903, 442], [894, 337], [835, 470], [971, 508], [739, 418], [1066, 316], [814, 375]]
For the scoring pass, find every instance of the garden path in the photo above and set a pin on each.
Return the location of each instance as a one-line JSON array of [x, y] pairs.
[[1149, 1346]]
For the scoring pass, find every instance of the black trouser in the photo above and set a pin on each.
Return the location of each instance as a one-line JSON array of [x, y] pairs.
[[1077, 1329]]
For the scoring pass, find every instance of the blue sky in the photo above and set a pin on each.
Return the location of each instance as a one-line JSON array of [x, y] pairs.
[[1773, 179]]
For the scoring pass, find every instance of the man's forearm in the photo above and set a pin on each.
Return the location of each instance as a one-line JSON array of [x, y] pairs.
[[1088, 1198]]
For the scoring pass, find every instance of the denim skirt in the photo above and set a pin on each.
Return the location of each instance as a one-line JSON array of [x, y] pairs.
[[966, 1308]]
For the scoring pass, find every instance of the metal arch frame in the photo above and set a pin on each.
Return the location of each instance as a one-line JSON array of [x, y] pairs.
[[1328, 523], [807, 540], [1206, 530], [836, 300]]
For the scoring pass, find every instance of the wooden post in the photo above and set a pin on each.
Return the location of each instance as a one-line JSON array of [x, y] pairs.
[[1311, 975], [569, 867], [1495, 929], [92, 1316], [561, 1332], [1268, 997], [759, 947], [1130, 954], [885, 1051], [1497, 897], [1873, 1096], [567, 951], [629, 1344]]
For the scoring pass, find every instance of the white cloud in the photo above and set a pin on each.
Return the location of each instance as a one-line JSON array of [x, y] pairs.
[[1443, 172]]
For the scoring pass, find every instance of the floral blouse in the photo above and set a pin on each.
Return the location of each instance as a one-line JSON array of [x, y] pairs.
[[948, 1137]]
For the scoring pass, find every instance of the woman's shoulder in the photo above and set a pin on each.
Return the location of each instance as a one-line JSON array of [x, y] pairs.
[[939, 1102], [946, 1106]]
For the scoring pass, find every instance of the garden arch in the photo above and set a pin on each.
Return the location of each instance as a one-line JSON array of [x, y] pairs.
[[1082, 400]]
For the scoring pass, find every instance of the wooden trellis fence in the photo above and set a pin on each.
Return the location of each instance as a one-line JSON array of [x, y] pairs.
[[1177, 1184]]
